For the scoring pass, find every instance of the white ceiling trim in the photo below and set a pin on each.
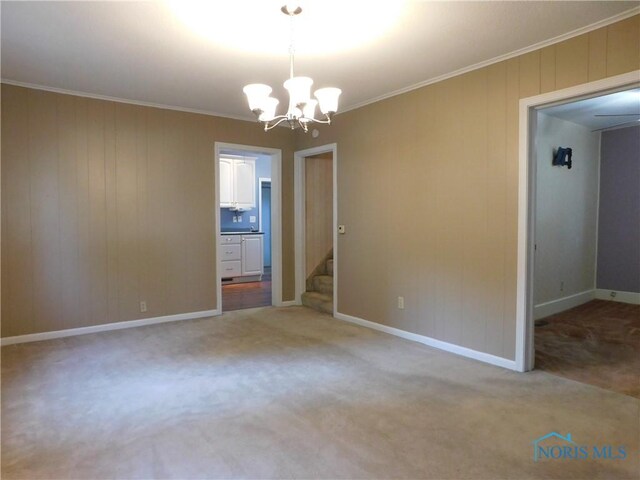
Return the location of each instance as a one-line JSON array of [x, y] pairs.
[[501, 58], [125, 100]]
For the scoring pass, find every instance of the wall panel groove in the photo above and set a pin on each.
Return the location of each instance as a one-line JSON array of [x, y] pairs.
[[107, 204], [466, 158]]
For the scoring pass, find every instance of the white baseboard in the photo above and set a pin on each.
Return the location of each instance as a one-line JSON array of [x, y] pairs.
[[71, 332], [432, 342], [624, 297], [561, 304], [288, 303]]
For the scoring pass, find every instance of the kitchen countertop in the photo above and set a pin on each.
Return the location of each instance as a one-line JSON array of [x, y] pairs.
[[236, 232]]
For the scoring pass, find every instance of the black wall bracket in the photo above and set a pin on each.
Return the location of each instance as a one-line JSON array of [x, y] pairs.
[[562, 157]]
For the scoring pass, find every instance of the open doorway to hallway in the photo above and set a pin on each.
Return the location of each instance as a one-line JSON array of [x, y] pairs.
[[586, 271], [315, 226]]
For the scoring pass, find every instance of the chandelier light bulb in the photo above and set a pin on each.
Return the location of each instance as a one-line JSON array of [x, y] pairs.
[[309, 111], [299, 89], [269, 106], [256, 94], [328, 99]]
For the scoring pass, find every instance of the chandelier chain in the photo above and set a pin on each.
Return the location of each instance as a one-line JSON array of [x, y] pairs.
[[292, 48]]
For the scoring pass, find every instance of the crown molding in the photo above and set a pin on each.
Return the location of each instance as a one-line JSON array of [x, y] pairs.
[[516, 53], [108, 98], [424, 83]]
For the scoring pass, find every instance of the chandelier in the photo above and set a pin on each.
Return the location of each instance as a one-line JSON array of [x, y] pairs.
[[302, 107]]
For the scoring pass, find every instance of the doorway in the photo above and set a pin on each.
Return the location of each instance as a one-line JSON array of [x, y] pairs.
[[316, 237], [558, 241], [587, 241], [248, 226]]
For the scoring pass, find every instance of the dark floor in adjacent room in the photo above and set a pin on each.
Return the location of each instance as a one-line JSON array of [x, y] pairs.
[[596, 343], [237, 296]]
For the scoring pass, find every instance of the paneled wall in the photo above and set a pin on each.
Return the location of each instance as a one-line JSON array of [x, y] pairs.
[[428, 189], [106, 204], [619, 217], [318, 170]]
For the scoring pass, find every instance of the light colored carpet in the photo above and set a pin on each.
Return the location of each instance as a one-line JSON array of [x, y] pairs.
[[290, 393]]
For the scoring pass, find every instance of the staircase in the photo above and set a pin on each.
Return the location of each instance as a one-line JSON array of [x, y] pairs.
[[319, 294]]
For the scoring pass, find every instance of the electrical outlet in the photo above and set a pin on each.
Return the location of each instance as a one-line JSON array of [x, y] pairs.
[[252, 219], [143, 306], [239, 218], [401, 303], [235, 219]]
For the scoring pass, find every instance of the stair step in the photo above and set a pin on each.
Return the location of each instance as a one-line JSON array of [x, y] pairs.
[[330, 267], [318, 301], [323, 284]]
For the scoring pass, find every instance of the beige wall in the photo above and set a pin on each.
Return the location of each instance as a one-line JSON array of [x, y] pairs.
[[318, 171], [107, 204], [428, 186]]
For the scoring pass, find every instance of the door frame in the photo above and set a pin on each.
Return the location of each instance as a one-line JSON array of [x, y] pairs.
[[262, 180], [525, 349], [300, 219], [276, 217]]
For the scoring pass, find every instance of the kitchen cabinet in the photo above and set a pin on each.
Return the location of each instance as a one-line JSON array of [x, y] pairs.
[[226, 183], [241, 257], [244, 184], [237, 182], [252, 255]]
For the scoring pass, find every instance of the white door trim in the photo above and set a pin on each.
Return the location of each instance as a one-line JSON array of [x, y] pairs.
[[276, 217], [299, 218], [526, 199], [261, 180]]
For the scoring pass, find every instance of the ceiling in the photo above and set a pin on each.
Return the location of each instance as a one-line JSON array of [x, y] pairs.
[[146, 52], [621, 108]]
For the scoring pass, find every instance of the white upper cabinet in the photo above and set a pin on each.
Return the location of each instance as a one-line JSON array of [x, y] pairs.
[[237, 182], [245, 184], [226, 183]]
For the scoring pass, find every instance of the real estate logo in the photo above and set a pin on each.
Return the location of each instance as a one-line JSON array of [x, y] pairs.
[[554, 446]]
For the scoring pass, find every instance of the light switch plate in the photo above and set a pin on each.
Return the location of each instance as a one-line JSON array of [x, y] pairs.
[[239, 218], [235, 219], [341, 229]]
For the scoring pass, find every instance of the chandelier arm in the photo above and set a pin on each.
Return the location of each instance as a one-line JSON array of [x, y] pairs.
[[324, 122], [280, 118]]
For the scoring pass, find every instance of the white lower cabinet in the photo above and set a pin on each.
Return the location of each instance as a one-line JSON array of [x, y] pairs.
[[231, 269], [241, 258], [252, 255]]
